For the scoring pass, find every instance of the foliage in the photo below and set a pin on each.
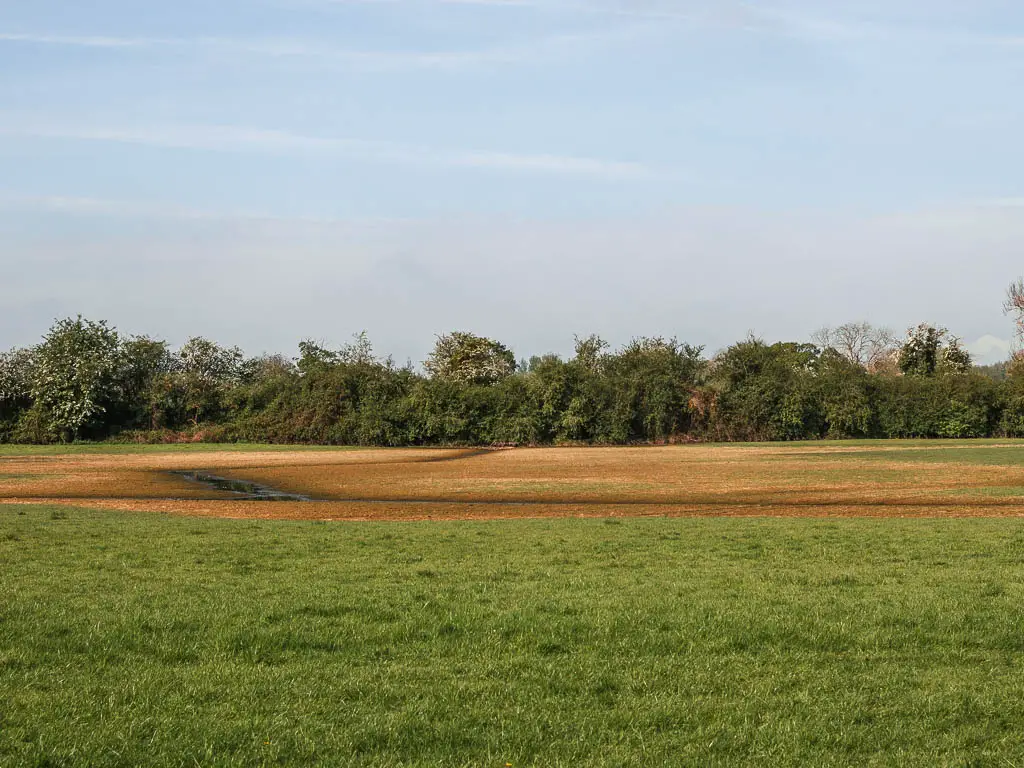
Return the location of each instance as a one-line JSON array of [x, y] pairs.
[[470, 359], [954, 359], [75, 374], [144, 383], [995, 371], [204, 371], [765, 393], [16, 372], [86, 381], [652, 380], [928, 350]]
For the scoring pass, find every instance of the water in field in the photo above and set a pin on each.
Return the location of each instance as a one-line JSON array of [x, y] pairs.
[[246, 490]]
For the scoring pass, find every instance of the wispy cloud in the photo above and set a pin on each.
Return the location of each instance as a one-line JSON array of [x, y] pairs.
[[220, 138], [325, 54], [82, 41], [877, 27], [777, 20], [97, 206], [647, 18], [696, 10]]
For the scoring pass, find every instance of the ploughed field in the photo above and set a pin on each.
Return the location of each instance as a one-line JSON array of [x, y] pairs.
[[804, 479], [739, 605], [818, 479]]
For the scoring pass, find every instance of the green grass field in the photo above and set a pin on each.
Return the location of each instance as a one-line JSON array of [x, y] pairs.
[[989, 449], [130, 640]]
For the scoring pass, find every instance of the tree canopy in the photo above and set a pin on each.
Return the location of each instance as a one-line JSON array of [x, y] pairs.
[[85, 380]]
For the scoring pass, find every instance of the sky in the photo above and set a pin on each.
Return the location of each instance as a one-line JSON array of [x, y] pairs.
[[266, 171]]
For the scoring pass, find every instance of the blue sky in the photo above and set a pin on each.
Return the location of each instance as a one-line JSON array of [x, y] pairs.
[[268, 170]]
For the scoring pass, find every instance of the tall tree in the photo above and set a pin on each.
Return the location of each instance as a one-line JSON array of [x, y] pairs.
[[16, 376], [470, 359], [928, 350], [1014, 304], [15, 388], [861, 343], [75, 373], [590, 351], [653, 380], [206, 371], [954, 358], [144, 381]]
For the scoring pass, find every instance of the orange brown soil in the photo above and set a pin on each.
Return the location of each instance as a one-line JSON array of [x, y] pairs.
[[410, 484]]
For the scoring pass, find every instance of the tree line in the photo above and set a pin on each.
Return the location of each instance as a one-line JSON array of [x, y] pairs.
[[86, 381]]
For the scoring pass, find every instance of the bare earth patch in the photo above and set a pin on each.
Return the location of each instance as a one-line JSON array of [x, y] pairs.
[[887, 480]]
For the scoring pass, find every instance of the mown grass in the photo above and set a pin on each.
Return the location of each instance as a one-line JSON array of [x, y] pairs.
[[980, 452], [973, 442], [997, 491], [990, 448], [1010, 456], [149, 640]]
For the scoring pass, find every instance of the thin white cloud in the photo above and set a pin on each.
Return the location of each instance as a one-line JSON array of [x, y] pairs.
[[729, 14], [735, 15], [700, 10], [877, 28], [217, 138], [326, 54], [136, 209], [82, 41], [782, 20]]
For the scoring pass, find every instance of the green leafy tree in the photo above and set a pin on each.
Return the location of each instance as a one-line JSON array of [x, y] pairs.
[[470, 359], [842, 385], [954, 359], [590, 352], [766, 392], [16, 369], [313, 356], [918, 355], [84, 380], [928, 350], [653, 381], [573, 394], [75, 375], [359, 351], [205, 372], [144, 383]]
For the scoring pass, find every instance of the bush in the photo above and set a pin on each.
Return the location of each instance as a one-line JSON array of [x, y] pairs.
[[652, 390]]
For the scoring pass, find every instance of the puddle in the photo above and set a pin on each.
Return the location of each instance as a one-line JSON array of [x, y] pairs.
[[244, 489]]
